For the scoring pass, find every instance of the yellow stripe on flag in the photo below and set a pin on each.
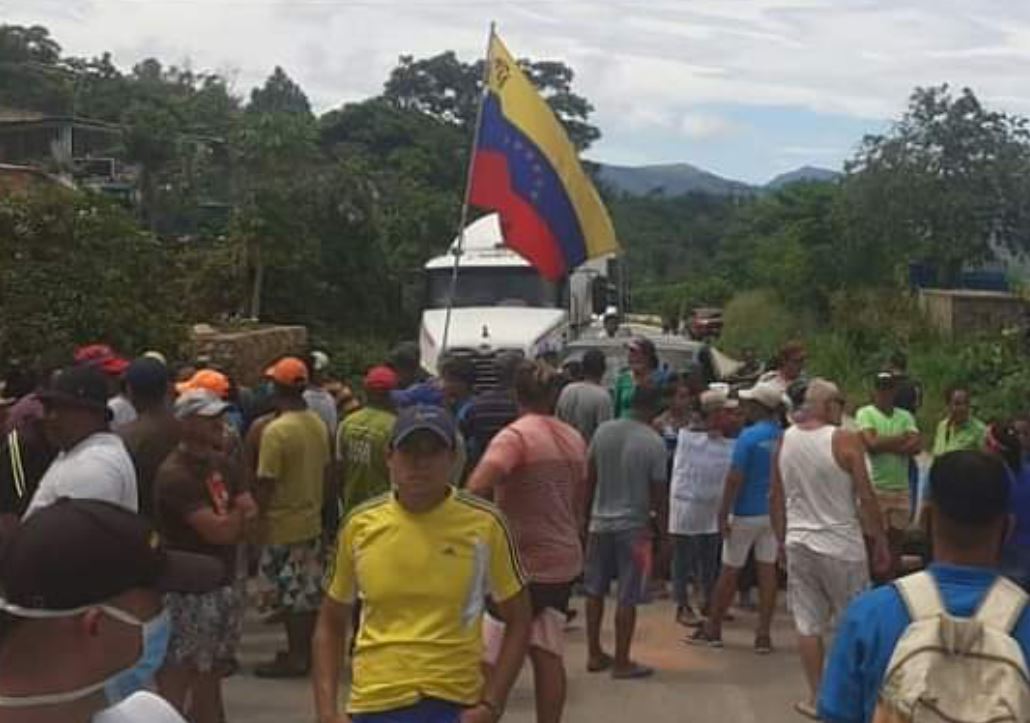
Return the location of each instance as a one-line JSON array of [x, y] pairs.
[[522, 105]]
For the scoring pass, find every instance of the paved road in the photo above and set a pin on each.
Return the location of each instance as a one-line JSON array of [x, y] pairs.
[[693, 685]]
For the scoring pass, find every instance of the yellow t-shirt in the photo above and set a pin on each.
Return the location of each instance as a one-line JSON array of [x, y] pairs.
[[422, 580], [294, 452]]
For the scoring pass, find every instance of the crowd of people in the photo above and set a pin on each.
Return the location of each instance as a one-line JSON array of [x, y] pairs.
[[432, 537]]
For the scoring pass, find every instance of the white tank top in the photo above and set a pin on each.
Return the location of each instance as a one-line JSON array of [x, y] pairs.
[[821, 511]]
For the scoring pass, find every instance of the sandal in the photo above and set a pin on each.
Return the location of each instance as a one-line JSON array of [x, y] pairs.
[[601, 664], [702, 638], [634, 672]]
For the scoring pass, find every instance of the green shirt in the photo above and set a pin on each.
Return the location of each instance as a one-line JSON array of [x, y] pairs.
[[625, 386], [362, 442], [970, 435], [622, 394], [890, 471]]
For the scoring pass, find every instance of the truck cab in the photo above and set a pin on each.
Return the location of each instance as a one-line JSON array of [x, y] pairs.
[[501, 303]]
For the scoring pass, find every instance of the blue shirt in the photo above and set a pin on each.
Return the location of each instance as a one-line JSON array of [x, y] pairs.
[[752, 457], [419, 393], [872, 626]]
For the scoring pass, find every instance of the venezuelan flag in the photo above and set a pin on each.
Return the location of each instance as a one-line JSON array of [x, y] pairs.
[[526, 169]]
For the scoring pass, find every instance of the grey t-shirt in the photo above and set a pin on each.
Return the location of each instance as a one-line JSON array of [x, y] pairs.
[[585, 406], [322, 403], [629, 456]]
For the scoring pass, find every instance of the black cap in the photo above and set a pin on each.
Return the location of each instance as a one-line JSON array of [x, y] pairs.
[[885, 380], [80, 386], [147, 376], [77, 553], [423, 417], [404, 356], [970, 488]]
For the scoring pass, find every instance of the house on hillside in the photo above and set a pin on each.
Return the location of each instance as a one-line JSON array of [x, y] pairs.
[[79, 150]]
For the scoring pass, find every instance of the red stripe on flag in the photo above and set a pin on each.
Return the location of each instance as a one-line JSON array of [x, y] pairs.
[[525, 231]]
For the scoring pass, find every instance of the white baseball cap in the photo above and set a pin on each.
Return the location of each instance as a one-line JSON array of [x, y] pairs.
[[199, 403], [768, 394], [715, 399]]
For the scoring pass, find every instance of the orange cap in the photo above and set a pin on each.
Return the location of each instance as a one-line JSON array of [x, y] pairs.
[[288, 372], [207, 379]]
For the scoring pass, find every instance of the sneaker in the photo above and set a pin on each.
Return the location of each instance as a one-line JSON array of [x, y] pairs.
[[702, 638], [686, 617], [763, 644]]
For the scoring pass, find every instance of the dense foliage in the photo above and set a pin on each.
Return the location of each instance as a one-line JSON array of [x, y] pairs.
[[256, 206], [277, 213]]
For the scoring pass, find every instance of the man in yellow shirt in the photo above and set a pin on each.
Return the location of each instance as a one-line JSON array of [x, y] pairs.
[[422, 560], [293, 473]]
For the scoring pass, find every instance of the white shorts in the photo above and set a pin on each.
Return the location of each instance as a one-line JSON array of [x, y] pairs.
[[547, 634], [748, 532], [820, 587]]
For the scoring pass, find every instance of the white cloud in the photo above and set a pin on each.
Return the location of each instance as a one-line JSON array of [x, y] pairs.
[[643, 64], [702, 126]]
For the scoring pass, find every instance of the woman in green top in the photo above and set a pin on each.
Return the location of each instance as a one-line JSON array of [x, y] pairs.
[[643, 371], [960, 429]]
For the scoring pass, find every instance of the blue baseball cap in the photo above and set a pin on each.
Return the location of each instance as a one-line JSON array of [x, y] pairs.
[[423, 417], [425, 393]]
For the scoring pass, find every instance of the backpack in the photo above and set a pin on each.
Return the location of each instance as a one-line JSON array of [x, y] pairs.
[[946, 669], [12, 496]]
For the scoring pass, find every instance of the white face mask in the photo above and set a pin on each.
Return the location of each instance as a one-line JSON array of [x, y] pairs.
[[120, 685]]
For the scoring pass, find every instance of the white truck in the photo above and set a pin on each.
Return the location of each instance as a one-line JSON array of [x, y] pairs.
[[502, 303]]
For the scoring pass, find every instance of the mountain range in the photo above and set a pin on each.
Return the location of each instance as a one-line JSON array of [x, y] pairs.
[[676, 179]]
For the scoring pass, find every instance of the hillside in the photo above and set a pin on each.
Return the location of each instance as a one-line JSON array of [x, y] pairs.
[[677, 179], [673, 179], [805, 173]]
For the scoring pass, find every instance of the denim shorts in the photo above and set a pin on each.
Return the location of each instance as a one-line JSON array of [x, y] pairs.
[[625, 556], [427, 710]]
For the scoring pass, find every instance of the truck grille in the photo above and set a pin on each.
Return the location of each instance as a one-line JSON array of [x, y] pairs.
[[485, 364]]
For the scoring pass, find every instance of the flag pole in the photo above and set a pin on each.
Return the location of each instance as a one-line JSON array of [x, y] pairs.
[[460, 249]]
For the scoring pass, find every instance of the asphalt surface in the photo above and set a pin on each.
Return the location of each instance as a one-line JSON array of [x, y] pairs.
[[732, 685]]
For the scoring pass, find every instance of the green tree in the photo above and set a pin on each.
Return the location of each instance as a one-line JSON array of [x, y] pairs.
[[275, 153], [23, 44], [31, 74], [947, 185], [279, 94], [77, 267], [449, 89], [151, 140]]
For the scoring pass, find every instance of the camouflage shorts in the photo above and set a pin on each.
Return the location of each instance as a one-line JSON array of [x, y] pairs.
[[205, 628], [291, 576]]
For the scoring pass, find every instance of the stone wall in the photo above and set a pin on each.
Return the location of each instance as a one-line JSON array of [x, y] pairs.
[[246, 353], [960, 311]]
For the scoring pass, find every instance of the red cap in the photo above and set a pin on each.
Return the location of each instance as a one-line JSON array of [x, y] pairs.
[[288, 372], [102, 357], [381, 379]]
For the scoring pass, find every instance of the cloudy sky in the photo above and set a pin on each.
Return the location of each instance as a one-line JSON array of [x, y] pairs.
[[745, 88]]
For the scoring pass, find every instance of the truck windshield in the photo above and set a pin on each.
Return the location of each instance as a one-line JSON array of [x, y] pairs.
[[493, 287]]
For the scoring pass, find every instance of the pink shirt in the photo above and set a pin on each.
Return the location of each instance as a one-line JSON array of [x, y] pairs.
[[542, 493]]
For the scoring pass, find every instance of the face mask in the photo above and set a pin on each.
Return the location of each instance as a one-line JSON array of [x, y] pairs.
[[155, 634]]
